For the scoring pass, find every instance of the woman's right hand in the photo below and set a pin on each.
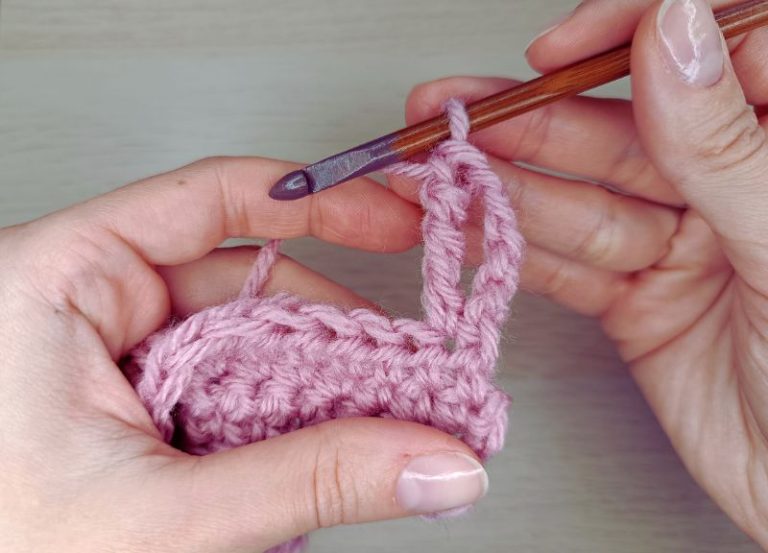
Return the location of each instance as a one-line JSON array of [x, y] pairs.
[[675, 265]]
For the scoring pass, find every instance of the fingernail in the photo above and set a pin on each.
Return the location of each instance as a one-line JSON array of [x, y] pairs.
[[692, 41], [439, 482], [551, 27]]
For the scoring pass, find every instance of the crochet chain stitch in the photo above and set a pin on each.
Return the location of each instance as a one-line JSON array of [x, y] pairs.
[[259, 366]]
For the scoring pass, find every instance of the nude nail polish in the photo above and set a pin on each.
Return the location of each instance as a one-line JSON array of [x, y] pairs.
[[691, 41], [440, 482]]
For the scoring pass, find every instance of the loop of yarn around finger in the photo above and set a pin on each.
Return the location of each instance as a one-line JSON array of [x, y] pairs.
[[260, 366]]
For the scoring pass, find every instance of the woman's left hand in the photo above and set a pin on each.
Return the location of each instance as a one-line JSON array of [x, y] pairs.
[[83, 467]]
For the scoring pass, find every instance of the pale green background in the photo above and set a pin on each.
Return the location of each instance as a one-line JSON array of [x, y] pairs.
[[94, 94]]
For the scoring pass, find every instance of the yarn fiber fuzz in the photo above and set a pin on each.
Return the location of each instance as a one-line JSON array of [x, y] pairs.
[[259, 366]]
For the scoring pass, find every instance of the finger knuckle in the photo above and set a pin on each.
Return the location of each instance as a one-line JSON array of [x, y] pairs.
[[426, 97], [421, 98], [210, 162], [234, 217], [598, 243], [365, 217], [334, 499], [216, 172], [535, 134], [76, 269], [732, 144], [517, 191], [360, 222], [317, 222], [554, 281], [632, 165]]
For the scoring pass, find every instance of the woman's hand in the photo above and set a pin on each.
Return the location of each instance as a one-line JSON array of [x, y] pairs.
[[82, 467], [675, 264]]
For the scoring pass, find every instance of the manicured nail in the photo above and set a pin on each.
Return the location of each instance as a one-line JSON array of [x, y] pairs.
[[440, 482], [692, 41]]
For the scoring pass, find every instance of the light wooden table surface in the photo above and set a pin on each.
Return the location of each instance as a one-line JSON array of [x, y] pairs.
[[96, 93]]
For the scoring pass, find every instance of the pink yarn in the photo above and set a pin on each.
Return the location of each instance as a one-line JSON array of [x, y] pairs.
[[262, 366]]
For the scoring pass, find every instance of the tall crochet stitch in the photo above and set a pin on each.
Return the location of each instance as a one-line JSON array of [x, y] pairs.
[[262, 366]]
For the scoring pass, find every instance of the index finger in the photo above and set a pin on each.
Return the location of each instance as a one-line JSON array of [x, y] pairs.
[[599, 25], [179, 216]]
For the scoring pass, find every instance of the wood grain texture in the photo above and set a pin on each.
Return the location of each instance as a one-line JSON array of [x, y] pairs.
[[580, 77], [96, 93]]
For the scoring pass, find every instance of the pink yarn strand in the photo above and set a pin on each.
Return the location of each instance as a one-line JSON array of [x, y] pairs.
[[262, 266], [456, 173]]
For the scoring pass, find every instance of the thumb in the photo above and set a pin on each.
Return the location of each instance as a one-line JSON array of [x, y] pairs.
[[695, 124], [340, 472]]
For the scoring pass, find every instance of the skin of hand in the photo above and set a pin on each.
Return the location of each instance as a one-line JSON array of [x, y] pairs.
[[82, 467], [673, 256]]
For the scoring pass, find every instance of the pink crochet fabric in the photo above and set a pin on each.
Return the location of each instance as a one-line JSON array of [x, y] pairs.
[[262, 366]]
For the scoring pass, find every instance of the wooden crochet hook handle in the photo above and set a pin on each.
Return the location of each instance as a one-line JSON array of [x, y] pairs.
[[569, 81]]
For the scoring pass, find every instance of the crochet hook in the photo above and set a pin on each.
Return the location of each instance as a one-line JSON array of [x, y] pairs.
[[574, 79]]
